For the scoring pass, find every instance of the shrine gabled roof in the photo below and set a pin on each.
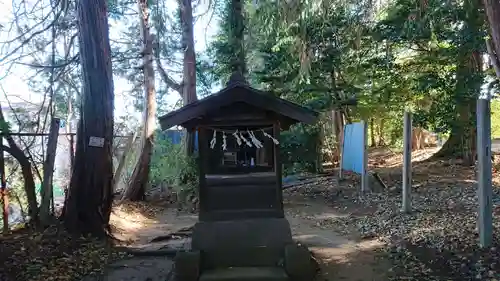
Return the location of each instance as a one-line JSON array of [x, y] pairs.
[[238, 91]]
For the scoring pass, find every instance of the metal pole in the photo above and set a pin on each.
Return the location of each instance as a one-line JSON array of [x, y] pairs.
[[364, 169], [484, 182], [407, 131]]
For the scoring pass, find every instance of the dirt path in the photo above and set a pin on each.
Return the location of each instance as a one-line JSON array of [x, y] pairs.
[[341, 258], [139, 230]]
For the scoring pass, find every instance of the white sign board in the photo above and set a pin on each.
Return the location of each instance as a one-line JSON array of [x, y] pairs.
[[96, 142]]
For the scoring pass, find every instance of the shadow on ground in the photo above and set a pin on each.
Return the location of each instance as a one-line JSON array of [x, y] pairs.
[[139, 223], [361, 265], [137, 269], [52, 254], [437, 241]]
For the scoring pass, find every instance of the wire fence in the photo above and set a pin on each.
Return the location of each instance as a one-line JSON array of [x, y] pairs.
[[34, 146]]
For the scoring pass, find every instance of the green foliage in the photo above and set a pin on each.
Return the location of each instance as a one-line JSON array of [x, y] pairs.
[[495, 118], [394, 58], [298, 149], [170, 166], [4, 126]]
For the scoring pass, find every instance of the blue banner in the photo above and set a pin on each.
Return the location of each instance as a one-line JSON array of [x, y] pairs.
[[353, 148], [176, 136]]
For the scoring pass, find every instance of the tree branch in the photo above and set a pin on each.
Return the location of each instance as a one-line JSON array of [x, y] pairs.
[[27, 40], [72, 60], [493, 57], [171, 83]]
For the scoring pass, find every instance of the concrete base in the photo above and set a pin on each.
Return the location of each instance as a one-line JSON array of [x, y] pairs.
[[245, 274], [271, 232]]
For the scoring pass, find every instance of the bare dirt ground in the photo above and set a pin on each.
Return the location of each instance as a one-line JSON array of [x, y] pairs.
[[365, 237], [138, 225], [340, 257], [437, 241], [354, 236]]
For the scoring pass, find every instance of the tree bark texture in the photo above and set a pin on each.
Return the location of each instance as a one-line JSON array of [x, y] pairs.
[[492, 8], [123, 159], [381, 126], [189, 64], [48, 173], [29, 183], [140, 175], [462, 141], [4, 196], [372, 133], [88, 205], [418, 139], [237, 21], [338, 120], [26, 170]]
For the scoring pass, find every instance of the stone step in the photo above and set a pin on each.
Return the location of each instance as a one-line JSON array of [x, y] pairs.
[[245, 274]]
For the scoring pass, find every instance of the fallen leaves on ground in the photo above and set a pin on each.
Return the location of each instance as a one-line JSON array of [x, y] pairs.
[[52, 255], [132, 221], [437, 241], [143, 209]]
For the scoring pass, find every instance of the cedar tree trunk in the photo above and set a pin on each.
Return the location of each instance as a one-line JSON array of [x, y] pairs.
[[140, 176], [89, 200]]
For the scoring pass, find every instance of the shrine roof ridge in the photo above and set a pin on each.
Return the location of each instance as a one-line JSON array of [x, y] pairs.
[[238, 91]]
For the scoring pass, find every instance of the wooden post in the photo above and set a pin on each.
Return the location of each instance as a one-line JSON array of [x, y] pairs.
[[407, 148], [123, 159], [48, 172], [484, 181], [3, 192], [202, 171], [278, 169]]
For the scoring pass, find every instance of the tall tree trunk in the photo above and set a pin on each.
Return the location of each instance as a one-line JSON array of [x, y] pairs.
[[336, 137], [47, 192], [26, 170], [462, 141], [381, 126], [140, 176], [373, 143], [189, 64], [339, 132], [88, 205], [237, 22], [492, 8], [417, 139]]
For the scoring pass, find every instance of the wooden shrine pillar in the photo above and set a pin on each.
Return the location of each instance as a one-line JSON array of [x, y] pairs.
[[277, 163], [202, 168]]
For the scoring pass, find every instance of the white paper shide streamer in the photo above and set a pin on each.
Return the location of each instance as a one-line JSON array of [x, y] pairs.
[[236, 136], [214, 140], [245, 140], [224, 141], [254, 139], [271, 137], [249, 140]]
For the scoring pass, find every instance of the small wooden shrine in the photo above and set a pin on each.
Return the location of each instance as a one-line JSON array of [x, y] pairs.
[[238, 139], [242, 233]]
